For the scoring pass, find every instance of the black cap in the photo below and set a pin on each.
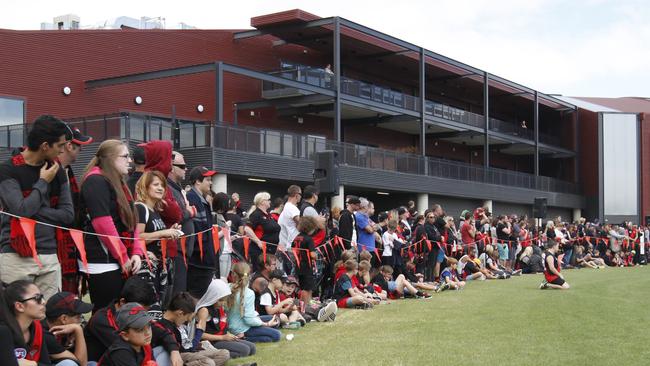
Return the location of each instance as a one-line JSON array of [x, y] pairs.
[[199, 172], [138, 155], [77, 137], [65, 303]]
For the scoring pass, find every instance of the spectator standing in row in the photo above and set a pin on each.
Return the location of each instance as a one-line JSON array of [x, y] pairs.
[[138, 159], [108, 205], [66, 249], [203, 261], [33, 185], [174, 180], [347, 222]]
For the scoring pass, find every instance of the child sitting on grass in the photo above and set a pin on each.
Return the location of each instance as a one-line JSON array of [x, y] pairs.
[[417, 279], [180, 312], [270, 303], [366, 287], [321, 312], [449, 277], [133, 346], [553, 277], [398, 287], [345, 293], [585, 260], [243, 320]]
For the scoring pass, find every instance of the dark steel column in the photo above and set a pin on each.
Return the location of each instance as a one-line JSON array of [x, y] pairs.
[[218, 102], [423, 125], [337, 79], [576, 158], [486, 120], [218, 96], [536, 132]]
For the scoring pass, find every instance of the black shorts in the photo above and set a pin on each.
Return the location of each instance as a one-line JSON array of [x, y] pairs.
[[558, 281], [307, 281]]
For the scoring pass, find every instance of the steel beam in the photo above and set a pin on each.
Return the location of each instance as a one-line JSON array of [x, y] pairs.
[[486, 119], [282, 28], [536, 133], [150, 75], [423, 119], [337, 79]]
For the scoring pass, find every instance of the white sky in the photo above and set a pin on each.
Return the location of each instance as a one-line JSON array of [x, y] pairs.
[[571, 47]]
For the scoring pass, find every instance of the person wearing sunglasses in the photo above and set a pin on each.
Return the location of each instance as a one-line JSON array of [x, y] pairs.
[[25, 306]]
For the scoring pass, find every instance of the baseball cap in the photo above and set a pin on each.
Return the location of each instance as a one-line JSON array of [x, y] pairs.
[[138, 155], [132, 315], [290, 280], [353, 200], [200, 172], [65, 303], [77, 137]]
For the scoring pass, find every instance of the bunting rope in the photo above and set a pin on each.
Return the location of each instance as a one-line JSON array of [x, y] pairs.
[[77, 236]]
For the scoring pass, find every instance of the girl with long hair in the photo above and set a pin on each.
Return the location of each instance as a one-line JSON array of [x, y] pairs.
[[150, 192], [107, 204], [243, 320], [26, 306]]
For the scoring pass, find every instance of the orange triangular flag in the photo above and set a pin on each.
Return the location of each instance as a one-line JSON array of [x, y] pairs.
[[200, 239], [117, 245], [215, 240], [28, 226], [247, 243], [377, 253], [78, 238], [184, 249], [296, 253], [429, 244]]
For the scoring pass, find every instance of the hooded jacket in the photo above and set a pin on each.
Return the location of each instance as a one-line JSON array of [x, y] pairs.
[[158, 157]]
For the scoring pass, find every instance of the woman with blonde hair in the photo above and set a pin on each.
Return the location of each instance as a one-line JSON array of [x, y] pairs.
[[107, 203], [261, 227], [243, 320], [150, 191]]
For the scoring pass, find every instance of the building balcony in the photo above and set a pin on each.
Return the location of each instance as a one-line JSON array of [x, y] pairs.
[[391, 98], [247, 150]]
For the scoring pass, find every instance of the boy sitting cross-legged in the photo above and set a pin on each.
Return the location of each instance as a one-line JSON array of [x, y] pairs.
[[345, 293]]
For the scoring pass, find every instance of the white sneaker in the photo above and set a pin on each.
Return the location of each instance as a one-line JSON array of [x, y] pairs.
[[325, 313]]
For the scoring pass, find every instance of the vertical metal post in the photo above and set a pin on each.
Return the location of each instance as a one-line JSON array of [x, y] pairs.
[[486, 120], [218, 100], [423, 126], [536, 133], [337, 79], [176, 130], [576, 161], [235, 113]]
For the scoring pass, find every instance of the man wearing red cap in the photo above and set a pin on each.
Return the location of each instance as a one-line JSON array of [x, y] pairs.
[[66, 250]]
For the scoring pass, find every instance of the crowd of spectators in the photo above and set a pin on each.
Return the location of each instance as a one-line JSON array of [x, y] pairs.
[[189, 276]]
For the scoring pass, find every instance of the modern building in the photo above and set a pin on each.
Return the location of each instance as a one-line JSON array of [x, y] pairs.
[[255, 104], [614, 155]]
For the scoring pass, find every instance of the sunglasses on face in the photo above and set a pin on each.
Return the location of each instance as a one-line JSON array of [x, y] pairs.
[[180, 166], [39, 298]]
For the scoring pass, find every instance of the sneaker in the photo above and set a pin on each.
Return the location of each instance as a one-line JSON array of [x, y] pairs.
[[517, 273], [332, 317], [543, 285], [325, 313], [422, 295], [438, 288]]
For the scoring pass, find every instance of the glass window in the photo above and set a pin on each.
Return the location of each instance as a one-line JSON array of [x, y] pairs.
[[11, 111]]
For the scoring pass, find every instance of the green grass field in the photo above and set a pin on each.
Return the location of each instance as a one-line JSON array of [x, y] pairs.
[[604, 319]]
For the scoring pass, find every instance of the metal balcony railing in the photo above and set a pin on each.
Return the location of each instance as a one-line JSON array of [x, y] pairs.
[[322, 78], [196, 134]]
